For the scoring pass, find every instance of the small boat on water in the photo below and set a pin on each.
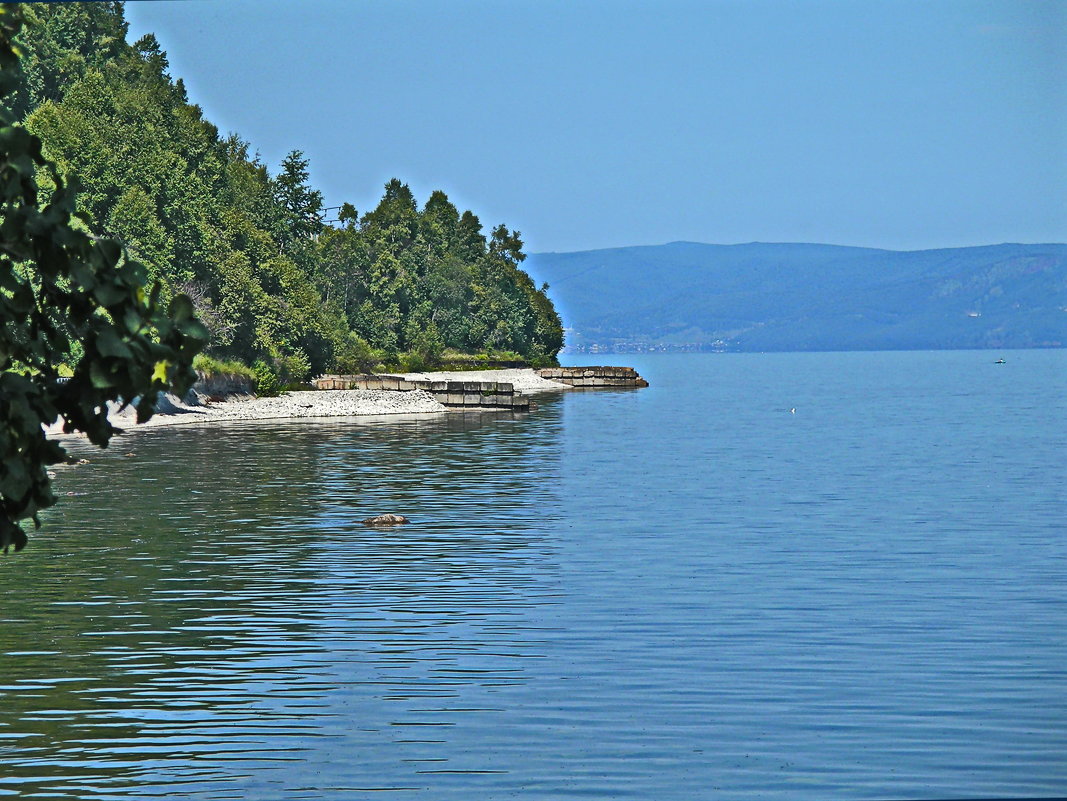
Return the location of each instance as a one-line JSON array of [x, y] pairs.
[[1000, 361]]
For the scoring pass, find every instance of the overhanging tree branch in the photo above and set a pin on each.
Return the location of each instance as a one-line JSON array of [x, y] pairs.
[[61, 291]]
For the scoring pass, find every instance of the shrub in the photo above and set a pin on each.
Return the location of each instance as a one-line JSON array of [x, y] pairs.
[[357, 356], [292, 368], [268, 382], [429, 344], [412, 362]]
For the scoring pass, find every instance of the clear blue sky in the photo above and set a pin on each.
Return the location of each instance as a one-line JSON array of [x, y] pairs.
[[891, 123]]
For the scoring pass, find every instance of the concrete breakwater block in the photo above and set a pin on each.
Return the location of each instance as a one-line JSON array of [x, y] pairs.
[[601, 376], [460, 394]]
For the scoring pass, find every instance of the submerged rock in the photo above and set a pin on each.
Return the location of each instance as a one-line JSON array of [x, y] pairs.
[[385, 520]]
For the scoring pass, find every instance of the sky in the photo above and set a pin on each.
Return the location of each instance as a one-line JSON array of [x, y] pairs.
[[903, 125]]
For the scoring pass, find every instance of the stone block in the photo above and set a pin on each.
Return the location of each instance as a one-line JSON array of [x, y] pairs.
[[471, 398], [438, 386], [453, 399]]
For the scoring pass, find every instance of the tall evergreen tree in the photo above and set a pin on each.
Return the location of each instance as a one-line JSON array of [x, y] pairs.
[[301, 205]]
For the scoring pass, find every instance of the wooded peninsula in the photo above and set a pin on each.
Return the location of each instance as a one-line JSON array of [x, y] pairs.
[[284, 286]]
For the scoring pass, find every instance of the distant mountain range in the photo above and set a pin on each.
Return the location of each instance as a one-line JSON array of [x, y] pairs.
[[786, 297]]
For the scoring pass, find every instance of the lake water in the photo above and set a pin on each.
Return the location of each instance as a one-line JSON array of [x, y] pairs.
[[680, 592]]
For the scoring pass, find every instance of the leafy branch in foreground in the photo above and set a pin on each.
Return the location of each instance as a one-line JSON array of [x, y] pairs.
[[64, 292]]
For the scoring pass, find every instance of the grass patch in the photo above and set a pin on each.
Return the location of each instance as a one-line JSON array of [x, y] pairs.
[[208, 365]]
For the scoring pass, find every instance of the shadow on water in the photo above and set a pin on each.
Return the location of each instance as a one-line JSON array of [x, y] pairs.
[[211, 619]]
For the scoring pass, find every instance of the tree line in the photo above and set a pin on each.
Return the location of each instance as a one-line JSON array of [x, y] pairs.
[[274, 284]]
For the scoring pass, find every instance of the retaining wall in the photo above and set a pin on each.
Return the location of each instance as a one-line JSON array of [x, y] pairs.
[[223, 384], [457, 394], [594, 376]]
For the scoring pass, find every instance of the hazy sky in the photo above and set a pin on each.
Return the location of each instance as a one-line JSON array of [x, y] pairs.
[[893, 124]]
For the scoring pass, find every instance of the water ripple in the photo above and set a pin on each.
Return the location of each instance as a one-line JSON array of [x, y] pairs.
[[657, 594]]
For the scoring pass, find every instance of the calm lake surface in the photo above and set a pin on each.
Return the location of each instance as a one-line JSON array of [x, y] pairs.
[[681, 592]]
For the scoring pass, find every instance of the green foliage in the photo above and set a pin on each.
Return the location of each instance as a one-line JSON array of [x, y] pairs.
[[60, 286], [201, 215], [301, 206], [269, 279], [268, 382], [417, 282], [58, 46], [428, 344], [210, 366], [412, 362], [293, 368], [357, 356]]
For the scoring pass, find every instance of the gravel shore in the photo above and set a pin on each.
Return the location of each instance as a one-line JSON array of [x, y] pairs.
[[327, 403], [337, 403]]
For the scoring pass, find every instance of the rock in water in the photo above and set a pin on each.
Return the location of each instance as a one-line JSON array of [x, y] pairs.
[[385, 520]]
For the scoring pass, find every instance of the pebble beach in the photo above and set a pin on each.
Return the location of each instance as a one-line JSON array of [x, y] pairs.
[[331, 403]]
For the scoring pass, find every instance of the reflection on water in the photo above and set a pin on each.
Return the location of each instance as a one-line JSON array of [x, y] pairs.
[[211, 613], [674, 593]]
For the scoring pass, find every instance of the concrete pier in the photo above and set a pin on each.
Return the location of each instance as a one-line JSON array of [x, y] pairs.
[[594, 376], [457, 394]]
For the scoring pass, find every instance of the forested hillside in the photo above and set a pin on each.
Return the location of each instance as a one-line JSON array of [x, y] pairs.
[[791, 297], [274, 283]]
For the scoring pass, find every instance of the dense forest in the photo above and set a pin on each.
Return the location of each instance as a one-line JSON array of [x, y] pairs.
[[276, 285]]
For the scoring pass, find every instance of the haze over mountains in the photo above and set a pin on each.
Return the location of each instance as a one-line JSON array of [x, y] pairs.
[[784, 297]]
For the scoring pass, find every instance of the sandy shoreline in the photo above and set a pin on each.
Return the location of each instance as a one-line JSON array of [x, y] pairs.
[[326, 403]]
